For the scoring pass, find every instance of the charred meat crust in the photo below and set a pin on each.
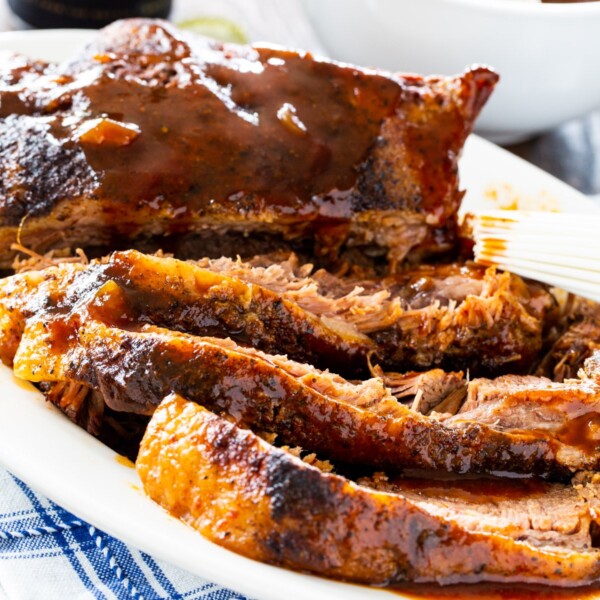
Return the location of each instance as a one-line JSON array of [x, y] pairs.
[[149, 132], [456, 315], [184, 297], [261, 502]]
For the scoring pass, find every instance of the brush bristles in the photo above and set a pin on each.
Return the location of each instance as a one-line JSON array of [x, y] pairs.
[[560, 249]]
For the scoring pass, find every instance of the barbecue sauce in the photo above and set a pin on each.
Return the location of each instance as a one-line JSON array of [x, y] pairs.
[[474, 490], [232, 133], [582, 432]]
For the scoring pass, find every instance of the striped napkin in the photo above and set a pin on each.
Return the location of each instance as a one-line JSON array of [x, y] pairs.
[[47, 553]]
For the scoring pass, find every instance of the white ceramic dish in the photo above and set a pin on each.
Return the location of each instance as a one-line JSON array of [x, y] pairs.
[[547, 55], [42, 447]]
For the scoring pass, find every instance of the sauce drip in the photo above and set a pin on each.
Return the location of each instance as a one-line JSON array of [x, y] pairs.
[[582, 432], [475, 490], [126, 462]]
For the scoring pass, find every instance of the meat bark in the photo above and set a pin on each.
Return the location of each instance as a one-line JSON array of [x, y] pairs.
[[455, 316], [183, 297]]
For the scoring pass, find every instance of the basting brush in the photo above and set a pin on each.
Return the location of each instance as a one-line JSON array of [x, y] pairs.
[[561, 249]]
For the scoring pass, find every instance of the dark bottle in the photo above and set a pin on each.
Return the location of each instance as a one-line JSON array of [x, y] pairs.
[[43, 14]]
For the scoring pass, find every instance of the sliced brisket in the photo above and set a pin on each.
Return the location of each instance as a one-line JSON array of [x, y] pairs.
[[361, 422], [455, 316], [572, 348]]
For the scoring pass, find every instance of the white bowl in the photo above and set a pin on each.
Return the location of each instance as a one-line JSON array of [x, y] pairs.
[[548, 55]]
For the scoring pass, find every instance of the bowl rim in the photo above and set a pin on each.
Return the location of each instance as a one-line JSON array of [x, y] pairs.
[[537, 9]]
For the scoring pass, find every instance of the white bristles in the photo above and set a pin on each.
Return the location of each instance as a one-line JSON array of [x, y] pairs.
[[560, 249]]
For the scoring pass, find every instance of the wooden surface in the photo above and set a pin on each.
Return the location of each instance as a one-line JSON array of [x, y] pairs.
[[570, 152]]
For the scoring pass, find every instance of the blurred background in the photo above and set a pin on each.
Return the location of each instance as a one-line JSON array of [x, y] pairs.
[[546, 108]]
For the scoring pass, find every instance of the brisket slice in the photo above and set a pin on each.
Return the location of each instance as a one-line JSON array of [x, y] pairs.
[[28, 294], [568, 412], [265, 503], [151, 132], [183, 297], [363, 423], [461, 316], [572, 348], [454, 316]]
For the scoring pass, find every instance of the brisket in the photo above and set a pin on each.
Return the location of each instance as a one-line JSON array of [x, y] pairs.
[[453, 316], [572, 348], [151, 132], [183, 297], [134, 368]]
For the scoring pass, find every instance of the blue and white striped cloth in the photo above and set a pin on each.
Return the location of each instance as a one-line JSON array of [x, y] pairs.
[[46, 553]]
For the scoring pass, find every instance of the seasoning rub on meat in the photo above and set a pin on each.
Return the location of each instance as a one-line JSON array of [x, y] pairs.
[[455, 316], [132, 328], [265, 503]]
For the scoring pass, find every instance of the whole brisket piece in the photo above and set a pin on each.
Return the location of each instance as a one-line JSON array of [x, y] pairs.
[[149, 132], [267, 504]]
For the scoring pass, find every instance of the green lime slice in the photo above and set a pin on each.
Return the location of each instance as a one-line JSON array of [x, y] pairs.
[[218, 28]]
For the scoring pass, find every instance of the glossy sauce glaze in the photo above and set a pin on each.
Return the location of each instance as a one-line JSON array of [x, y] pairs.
[[582, 432], [254, 121], [238, 141], [264, 503]]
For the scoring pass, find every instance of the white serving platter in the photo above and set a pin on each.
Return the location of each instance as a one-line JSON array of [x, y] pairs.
[[46, 450]]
